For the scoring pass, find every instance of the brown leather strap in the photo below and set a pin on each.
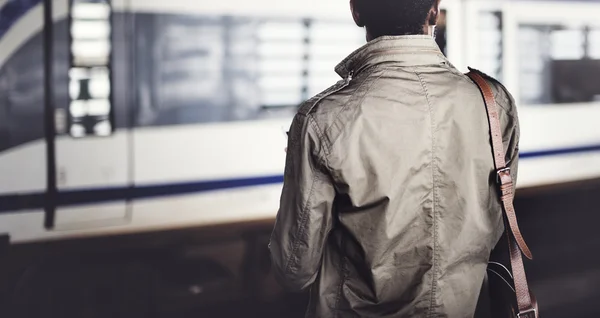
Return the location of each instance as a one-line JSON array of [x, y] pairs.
[[503, 172], [528, 307], [516, 243]]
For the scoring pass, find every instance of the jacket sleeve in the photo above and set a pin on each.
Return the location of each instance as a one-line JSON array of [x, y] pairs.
[[304, 219]]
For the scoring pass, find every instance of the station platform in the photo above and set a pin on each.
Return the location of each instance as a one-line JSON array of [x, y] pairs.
[[223, 271]]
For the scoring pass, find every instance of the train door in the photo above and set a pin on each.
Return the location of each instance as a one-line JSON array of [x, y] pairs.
[[552, 67], [91, 147], [22, 144]]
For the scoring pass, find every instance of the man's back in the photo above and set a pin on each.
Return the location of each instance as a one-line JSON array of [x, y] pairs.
[[391, 172]]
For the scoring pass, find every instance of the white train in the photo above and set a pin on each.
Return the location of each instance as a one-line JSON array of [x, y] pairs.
[[136, 115]]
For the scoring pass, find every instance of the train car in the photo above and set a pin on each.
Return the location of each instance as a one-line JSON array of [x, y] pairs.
[[548, 58], [142, 115]]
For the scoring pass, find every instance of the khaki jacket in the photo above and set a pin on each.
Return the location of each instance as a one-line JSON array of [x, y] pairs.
[[389, 207]]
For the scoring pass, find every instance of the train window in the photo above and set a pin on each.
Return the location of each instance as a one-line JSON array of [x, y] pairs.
[[298, 58], [490, 42], [235, 68], [281, 52], [328, 44], [441, 33], [594, 43], [21, 76], [90, 107], [559, 64]]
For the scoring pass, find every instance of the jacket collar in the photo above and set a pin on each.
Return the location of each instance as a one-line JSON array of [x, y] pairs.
[[404, 50]]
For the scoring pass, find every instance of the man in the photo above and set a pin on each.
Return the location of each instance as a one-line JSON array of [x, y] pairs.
[[389, 206]]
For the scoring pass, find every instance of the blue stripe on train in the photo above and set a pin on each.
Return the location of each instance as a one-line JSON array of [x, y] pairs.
[[558, 152], [33, 201], [36, 201], [13, 11]]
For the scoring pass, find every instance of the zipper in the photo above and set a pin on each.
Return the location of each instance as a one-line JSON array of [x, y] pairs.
[[349, 77]]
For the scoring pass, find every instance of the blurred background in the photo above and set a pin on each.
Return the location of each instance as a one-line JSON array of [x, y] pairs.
[[142, 146]]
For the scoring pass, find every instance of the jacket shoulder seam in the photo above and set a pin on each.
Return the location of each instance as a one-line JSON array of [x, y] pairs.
[[434, 199], [309, 105], [351, 102]]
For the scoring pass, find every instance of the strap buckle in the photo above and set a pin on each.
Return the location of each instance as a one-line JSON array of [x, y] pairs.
[[500, 172], [527, 313]]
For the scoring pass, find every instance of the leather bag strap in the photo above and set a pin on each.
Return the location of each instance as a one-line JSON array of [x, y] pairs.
[[516, 242]]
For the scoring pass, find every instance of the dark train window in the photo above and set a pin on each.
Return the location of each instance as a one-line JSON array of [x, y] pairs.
[[559, 64], [21, 77], [90, 106], [200, 69]]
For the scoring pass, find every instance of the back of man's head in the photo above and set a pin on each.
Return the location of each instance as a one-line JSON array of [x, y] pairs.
[[395, 17]]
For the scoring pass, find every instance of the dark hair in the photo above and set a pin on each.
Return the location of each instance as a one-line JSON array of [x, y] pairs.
[[393, 17]]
